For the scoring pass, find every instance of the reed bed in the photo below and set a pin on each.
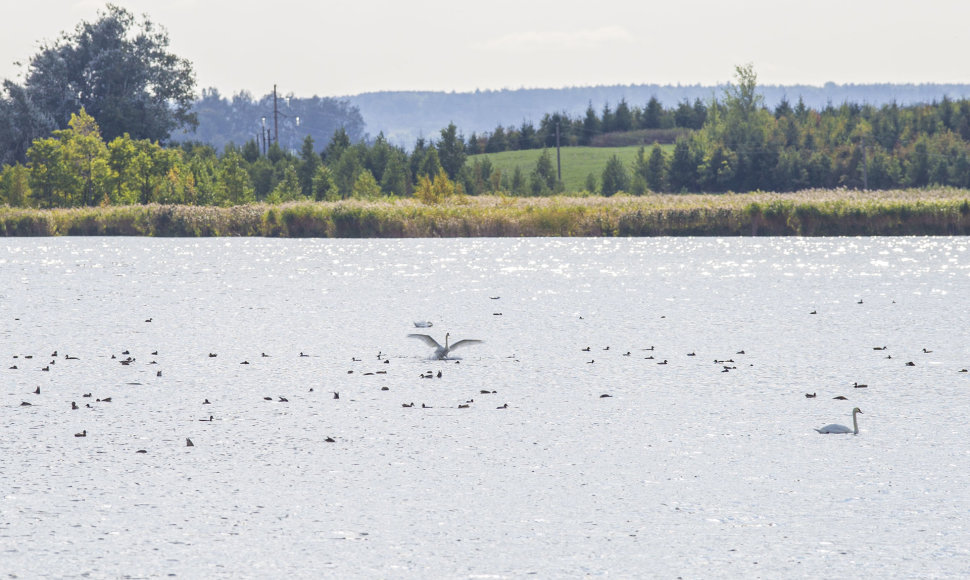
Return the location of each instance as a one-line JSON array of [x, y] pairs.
[[806, 213]]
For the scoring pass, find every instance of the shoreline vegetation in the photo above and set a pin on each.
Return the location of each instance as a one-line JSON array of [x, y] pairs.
[[835, 212]]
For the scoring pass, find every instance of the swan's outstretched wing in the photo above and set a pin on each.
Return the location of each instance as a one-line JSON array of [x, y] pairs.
[[465, 342], [427, 340]]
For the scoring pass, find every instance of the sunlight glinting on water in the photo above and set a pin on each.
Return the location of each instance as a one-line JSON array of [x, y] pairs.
[[702, 455]]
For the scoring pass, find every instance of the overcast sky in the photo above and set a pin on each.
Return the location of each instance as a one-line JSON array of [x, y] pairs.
[[331, 48]]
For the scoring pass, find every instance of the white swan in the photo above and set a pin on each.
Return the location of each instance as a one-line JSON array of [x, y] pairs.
[[842, 429], [441, 352]]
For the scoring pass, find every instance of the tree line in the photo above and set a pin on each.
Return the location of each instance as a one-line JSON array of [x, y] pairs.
[[652, 122], [93, 120], [744, 146], [741, 146], [76, 167]]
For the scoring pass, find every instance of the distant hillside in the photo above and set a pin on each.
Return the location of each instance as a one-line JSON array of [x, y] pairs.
[[403, 116]]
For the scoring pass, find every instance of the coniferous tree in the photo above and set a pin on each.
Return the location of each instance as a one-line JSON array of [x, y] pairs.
[[497, 141], [518, 185], [528, 138], [378, 156], [234, 186], [684, 115], [366, 186], [653, 114], [682, 171], [700, 114], [543, 179], [288, 188], [641, 168], [309, 162], [263, 177], [623, 118], [324, 188], [417, 157], [656, 172], [451, 151], [395, 178], [339, 143], [347, 168], [431, 164], [918, 164], [250, 151], [615, 177], [607, 119], [591, 126]]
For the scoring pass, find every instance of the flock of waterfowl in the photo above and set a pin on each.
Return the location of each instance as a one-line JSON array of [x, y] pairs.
[[440, 352], [839, 429], [26, 362], [729, 364]]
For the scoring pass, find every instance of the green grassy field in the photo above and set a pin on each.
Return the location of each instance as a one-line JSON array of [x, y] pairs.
[[577, 162]]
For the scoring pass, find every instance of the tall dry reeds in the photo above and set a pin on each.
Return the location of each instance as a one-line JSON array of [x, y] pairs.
[[805, 213]]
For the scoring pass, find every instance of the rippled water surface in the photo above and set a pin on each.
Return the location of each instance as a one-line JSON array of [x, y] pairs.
[[693, 468]]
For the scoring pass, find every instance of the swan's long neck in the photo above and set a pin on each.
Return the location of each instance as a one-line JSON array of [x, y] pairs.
[[855, 422], [447, 334]]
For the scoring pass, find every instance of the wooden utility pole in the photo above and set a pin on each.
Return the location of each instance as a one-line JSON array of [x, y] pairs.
[[558, 159], [276, 119]]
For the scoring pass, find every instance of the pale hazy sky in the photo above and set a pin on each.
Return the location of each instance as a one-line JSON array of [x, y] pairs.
[[343, 48]]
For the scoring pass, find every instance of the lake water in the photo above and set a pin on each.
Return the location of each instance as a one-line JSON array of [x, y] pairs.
[[688, 469]]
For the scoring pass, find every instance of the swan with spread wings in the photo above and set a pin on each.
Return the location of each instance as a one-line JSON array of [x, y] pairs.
[[442, 352]]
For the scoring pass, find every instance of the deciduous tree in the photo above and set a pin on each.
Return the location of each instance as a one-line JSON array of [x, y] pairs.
[[235, 187], [15, 186], [120, 70]]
